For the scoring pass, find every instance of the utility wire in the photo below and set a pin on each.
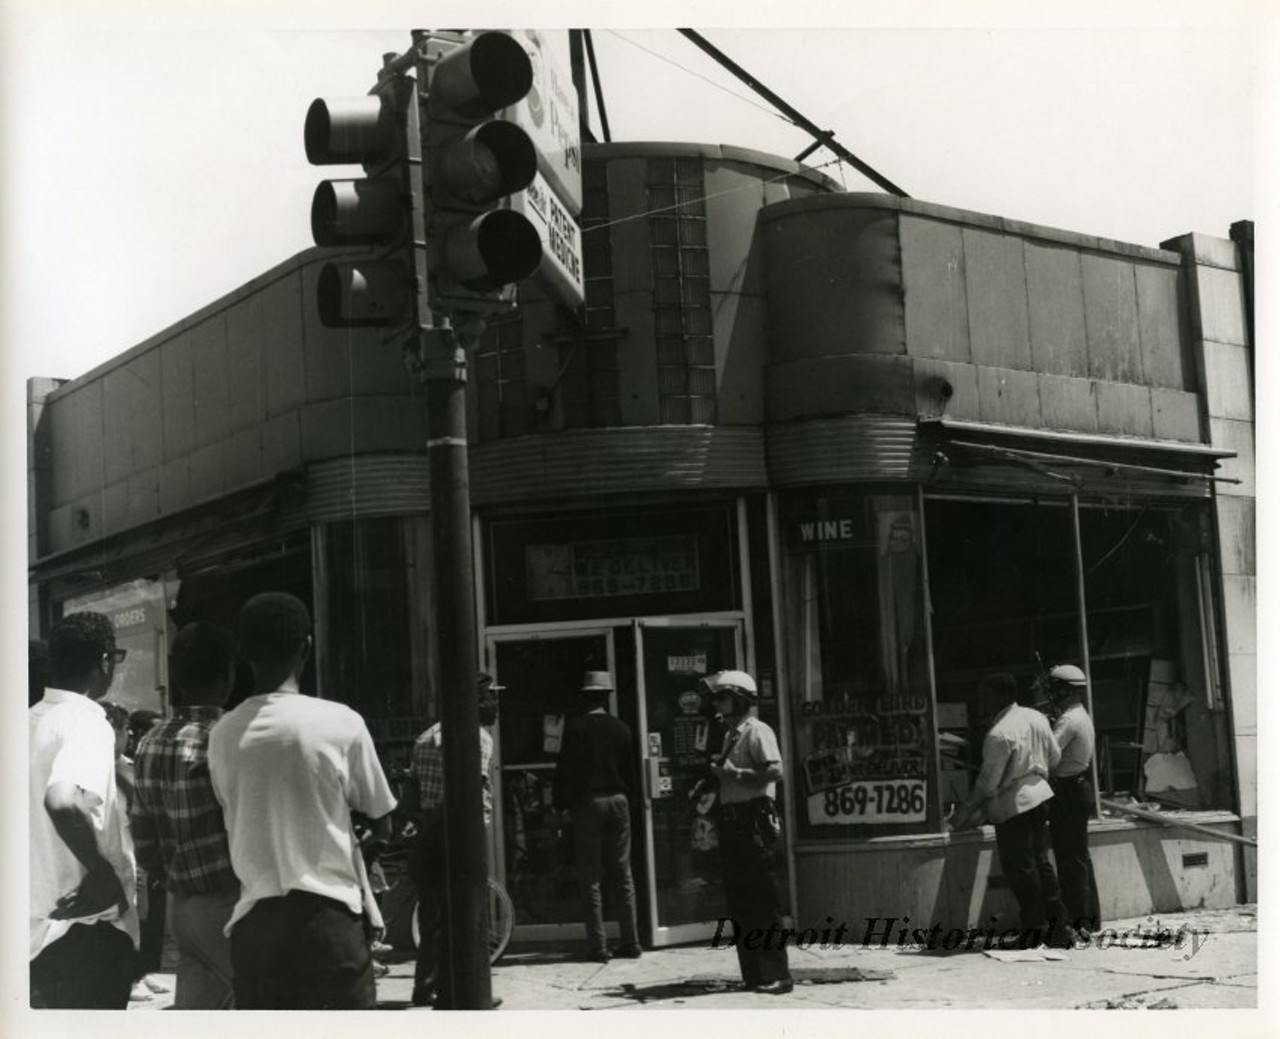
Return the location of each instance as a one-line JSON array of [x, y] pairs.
[[719, 86], [703, 198]]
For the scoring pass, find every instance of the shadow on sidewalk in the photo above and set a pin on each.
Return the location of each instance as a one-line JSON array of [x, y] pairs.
[[691, 988]]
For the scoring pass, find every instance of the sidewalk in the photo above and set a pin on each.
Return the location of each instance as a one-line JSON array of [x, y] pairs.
[[1214, 967]]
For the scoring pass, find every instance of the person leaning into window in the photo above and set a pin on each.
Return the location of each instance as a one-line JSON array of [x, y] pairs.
[[748, 770]]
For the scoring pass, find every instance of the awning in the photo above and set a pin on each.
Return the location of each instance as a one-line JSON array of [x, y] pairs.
[[1053, 453]]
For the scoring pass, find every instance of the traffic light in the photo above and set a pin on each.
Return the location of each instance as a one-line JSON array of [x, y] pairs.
[[478, 247], [382, 210]]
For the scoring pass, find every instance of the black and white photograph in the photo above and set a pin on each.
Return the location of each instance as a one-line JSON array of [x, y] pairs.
[[588, 508]]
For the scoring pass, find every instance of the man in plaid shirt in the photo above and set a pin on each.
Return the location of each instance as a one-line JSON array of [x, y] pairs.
[[427, 864], [177, 822]]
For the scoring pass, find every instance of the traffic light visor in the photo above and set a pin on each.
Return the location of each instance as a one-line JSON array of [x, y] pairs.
[[490, 72], [351, 130]]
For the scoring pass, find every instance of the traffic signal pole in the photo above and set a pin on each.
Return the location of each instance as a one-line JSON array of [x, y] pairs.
[[441, 361], [444, 372], [442, 219]]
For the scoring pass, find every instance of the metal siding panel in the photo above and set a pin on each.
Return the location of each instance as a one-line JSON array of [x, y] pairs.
[[637, 363], [933, 276], [1123, 409], [85, 451], [369, 485], [841, 385], [594, 463], [739, 323], [733, 197], [1111, 319], [838, 450], [245, 344], [996, 295], [209, 366], [963, 379], [283, 364], [144, 496], [1055, 299], [117, 427], [834, 280], [178, 396], [1160, 327], [1067, 403], [1008, 397], [148, 440]]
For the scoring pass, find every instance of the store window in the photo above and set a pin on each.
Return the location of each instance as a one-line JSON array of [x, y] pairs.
[[1160, 722], [1006, 595], [858, 667], [1002, 584]]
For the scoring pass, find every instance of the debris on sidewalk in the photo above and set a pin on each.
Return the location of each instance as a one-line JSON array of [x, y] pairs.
[[1025, 955]]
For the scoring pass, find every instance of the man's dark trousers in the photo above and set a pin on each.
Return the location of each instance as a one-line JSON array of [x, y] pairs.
[[301, 951], [91, 967], [602, 847], [751, 896], [1069, 813], [1023, 844]]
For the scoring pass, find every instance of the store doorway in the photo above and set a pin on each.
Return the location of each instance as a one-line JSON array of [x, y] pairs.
[[541, 673], [682, 878]]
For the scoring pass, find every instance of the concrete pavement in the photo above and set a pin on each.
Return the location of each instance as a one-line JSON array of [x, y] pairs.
[[1213, 965]]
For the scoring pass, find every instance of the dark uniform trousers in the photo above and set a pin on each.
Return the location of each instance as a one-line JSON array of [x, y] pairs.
[[1069, 813], [751, 895], [1023, 844]]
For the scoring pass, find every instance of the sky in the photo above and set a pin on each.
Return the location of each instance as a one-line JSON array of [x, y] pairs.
[[152, 154]]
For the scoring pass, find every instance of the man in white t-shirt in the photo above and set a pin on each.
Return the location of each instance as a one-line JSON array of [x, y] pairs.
[[84, 923], [289, 769]]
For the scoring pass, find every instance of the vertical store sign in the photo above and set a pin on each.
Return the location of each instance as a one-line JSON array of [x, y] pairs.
[[549, 115]]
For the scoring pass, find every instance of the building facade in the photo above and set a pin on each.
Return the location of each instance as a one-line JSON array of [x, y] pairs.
[[865, 447]]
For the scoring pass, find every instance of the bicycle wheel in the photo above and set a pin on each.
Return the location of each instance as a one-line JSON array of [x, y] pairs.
[[502, 920]]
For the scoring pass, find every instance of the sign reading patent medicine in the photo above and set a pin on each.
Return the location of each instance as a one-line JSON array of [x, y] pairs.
[[549, 115], [561, 269]]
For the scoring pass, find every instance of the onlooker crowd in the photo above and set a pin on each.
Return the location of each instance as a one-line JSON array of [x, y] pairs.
[[244, 822]]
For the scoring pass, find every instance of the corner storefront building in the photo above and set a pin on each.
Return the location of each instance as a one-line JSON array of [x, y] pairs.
[[865, 447]]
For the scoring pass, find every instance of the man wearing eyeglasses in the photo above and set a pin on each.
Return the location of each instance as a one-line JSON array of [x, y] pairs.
[[84, 923]]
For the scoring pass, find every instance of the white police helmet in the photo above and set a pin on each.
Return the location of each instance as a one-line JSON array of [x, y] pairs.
[[1067, 674], [734, 682]]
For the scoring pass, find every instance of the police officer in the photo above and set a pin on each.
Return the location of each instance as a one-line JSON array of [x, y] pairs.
[[1073, 800], [748, 769]]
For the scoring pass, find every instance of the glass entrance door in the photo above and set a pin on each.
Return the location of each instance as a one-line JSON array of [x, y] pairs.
[[542, 674], [686, 897]]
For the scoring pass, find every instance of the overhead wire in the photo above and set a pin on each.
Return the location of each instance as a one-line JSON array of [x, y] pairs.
[[706, 79], [754, 185]]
